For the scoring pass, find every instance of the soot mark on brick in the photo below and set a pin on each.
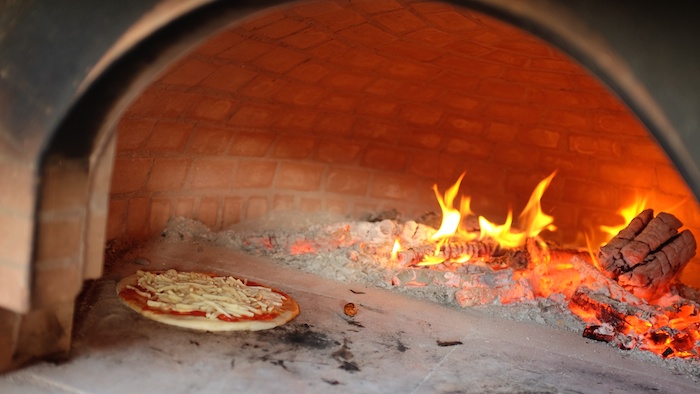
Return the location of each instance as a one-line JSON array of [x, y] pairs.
[[349, 366]]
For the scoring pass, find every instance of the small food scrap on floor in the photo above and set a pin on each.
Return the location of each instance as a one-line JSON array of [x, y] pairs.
[[350, 309]]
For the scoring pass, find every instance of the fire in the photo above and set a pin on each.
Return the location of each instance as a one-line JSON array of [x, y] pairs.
[[628, 213], [532, 219]]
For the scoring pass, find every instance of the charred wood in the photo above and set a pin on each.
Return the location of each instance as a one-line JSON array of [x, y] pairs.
[[646, 255], [448, 251]]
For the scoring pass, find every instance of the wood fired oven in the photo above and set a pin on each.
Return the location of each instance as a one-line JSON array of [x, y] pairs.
[[118, 117]]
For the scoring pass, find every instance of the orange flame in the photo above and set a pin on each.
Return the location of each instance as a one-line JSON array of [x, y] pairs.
[[628, 213]]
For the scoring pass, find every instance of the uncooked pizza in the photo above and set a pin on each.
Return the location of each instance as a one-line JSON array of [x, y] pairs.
[[205, 301]]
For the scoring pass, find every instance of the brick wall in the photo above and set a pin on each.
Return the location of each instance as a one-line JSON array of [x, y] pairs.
[[362, 106]]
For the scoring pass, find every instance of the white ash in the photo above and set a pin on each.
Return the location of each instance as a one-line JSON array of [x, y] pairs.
[[359, 252]]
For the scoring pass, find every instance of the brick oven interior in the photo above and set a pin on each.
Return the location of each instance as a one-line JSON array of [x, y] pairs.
[[334, 110]]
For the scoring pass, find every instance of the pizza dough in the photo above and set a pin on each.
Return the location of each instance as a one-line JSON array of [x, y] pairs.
[[205, 302]]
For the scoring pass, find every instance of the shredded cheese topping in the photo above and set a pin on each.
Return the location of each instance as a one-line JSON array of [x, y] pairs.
[[214, 295]]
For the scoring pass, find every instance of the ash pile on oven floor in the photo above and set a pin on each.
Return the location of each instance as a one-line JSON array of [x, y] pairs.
[[360, 252]]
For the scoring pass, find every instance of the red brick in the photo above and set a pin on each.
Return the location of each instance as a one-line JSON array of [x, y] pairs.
[[293, 147], [459, 101], [541, 137], [251, 144], [283, 203], [477, 148], [432, 37], [618, 123], [464, 82], [589, 194], [526, 47], [299, 94], [538, 77], [299, 176], [159, 215], [116, 218], [500, 89], [470, 48], [644, 149], [431, 166], [463, 125], [378, 107], [220, 43], [562, 65], [670, 181], [281, 28], [384, 87], [316, 8], [228, 78], [168, 174], [132, 133], [378, 131], [411, 70], [213, 108], [256, 207], [129, 175], [422, 115], [208, 212], [520, 113], [566, 99], [336, 21], [483, 176], [347, 81], [356, 58], [309, 72], [255, 174], [344, 102], [423, 93], [253, 115], [212, 173], [348, 181], [263, 86], [335, 205], [310, 205], [421, 139], [336, 151], [328, 50], [412, 50], [506, 57], [395, 187], [471, 66], [210, 140], [296, 120], [451, 21], [162, 103], [375, 6], [246, 51], [616, 173], [336, 124], [401, 21], [169, 136], [501, 132], [233, 207], [185, 207], [567, 119], [516, 157], [568, 165], [189, 73], [137, 219], [384, 158], [366, 34], [595, 145], [307, 38], [280, 59]]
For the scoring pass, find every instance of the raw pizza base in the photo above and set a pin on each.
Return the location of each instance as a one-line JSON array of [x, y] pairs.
[[288, 311]]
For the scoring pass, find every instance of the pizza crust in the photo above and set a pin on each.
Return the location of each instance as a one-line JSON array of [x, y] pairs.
[[288, 311]]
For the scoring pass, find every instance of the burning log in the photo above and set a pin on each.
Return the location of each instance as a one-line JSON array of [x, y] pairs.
[[646, 255], [446, 251]]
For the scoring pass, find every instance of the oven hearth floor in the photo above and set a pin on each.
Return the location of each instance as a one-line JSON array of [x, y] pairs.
[[392, 345]]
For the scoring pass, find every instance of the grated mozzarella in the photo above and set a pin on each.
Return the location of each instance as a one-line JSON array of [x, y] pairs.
[[215, 296]]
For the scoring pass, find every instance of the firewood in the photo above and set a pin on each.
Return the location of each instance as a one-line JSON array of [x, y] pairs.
[[448, 251], [646, 255]]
